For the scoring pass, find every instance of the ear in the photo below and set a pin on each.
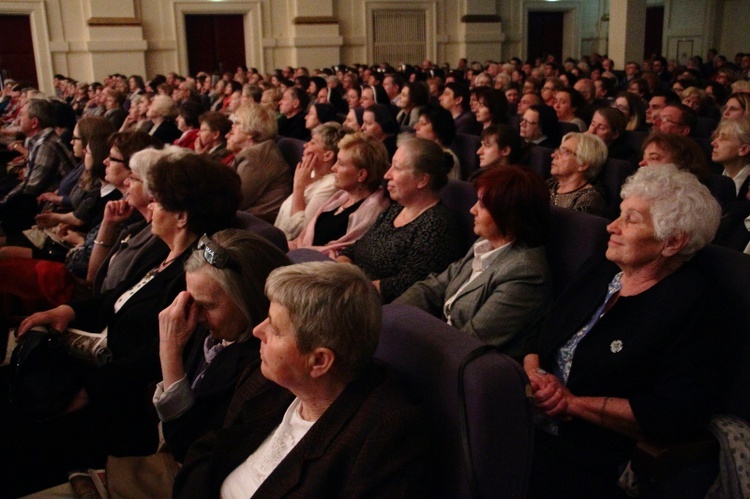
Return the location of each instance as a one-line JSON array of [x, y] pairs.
[[424, 181], [328, 156], [674, 245], [744, 149], [505, 151], [182, 219], [362, 175], [321, 362]]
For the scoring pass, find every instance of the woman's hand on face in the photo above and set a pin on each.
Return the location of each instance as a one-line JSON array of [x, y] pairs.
[[57, 319], [116, 212], [303, 172], [177, 323]]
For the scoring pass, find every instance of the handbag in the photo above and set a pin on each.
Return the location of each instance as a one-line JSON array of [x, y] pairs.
[[141, 476], [43, 375]]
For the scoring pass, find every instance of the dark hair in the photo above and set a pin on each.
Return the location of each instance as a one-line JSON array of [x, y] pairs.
[[206, 190], [384, 117], [506, 136], [684, 152], [129, 143], [98, 145], [319, 83], [138, 81], [419, 93], [670, 97], [441, 121], [615, 119], [495, 101], [548, 121], [518, 201], [217, 122], [65, 117], [577, 102], [460, 89], [326, 113], [190, 111], [301, 96], [688, 117], [89, 126]]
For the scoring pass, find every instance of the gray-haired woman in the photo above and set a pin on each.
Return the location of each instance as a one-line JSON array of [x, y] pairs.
[[627, 350], [575, 164]]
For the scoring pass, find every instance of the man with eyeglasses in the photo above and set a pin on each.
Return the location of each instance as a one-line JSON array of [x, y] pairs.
[[48, 162], [675, 118], [659, 100]]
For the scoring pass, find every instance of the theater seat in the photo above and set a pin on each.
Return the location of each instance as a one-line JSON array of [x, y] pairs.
[[476, 400], [613, 176], [573, 238], [302, 255], [292, 150], [459, 196], [262, 228], [540, 160], [465, 147]]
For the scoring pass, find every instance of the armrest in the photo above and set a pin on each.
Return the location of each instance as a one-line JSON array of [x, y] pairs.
[[654, 461]]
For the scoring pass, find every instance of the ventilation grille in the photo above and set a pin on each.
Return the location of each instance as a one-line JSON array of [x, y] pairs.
[[399, 36]]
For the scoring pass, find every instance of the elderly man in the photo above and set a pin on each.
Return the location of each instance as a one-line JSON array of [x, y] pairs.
[[392, 84], [292, 108], [48, 161]]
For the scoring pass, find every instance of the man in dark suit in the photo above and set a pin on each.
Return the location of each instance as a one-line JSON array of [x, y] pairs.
[[455, 98], [292, 120]]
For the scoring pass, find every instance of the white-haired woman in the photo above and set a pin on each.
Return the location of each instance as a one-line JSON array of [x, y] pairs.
[[575, 164], [322, 396], [627, 351], [266, 178], [162, 112], [731, 148]]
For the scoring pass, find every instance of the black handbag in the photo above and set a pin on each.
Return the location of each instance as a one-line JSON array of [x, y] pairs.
[[44, 378]]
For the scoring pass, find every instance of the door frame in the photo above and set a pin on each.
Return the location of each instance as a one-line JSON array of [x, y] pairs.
[[39, 39], [571, 25]]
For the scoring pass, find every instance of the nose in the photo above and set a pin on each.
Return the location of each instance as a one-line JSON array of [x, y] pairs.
[[643, 162], [474, 209], [614, 226], [258, 331], [388, 175]]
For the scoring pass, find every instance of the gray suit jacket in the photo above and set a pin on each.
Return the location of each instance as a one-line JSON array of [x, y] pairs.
[[504, 306]]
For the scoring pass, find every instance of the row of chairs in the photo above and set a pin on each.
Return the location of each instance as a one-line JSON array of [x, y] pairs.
[[478, 401]]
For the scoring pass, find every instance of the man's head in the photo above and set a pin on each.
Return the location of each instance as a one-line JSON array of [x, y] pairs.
[[35, 116], [675, 118], [586, 88], [293, 102]]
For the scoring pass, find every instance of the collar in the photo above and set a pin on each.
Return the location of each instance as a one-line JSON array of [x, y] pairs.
[[484, 254]]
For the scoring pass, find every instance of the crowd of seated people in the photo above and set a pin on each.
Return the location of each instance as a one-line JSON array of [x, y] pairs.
[[353, 162]]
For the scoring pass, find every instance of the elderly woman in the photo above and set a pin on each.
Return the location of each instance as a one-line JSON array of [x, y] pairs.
[[575, 165], [266, 179], [501, 145], [539, 126], [359, 199], [206, 333], [627, 352], [162, 113], [499, 292], [731, 148], [192, 196], [417, 234], [314, 182], [336, 404]]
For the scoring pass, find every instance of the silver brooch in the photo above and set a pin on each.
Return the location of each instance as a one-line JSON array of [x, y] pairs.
[[615, 346]]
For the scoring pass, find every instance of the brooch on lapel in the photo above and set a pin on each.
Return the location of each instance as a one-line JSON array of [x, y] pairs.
[[615, 346]]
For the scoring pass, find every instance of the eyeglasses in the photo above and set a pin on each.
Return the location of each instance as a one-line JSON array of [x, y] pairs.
[[116, 160], [524, 121], [215, 255], [665, 119], [564, 151]]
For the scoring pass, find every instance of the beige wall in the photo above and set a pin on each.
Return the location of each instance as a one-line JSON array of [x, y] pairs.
[[88, 39]]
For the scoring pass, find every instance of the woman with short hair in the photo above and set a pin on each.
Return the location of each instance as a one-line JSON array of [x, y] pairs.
[[501, 145], [359, 199], [319, 393], [628, 350], [499, 292], [266, 179], [162, 113], [575, 165], [417, 234]]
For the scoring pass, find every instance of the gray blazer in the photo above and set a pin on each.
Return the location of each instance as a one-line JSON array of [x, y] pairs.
[[504, 306]]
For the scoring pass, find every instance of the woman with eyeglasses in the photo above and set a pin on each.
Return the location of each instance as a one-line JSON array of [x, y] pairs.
[[575, 164], [206, 335], [631, 106], [192, 196], [540, 126]]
